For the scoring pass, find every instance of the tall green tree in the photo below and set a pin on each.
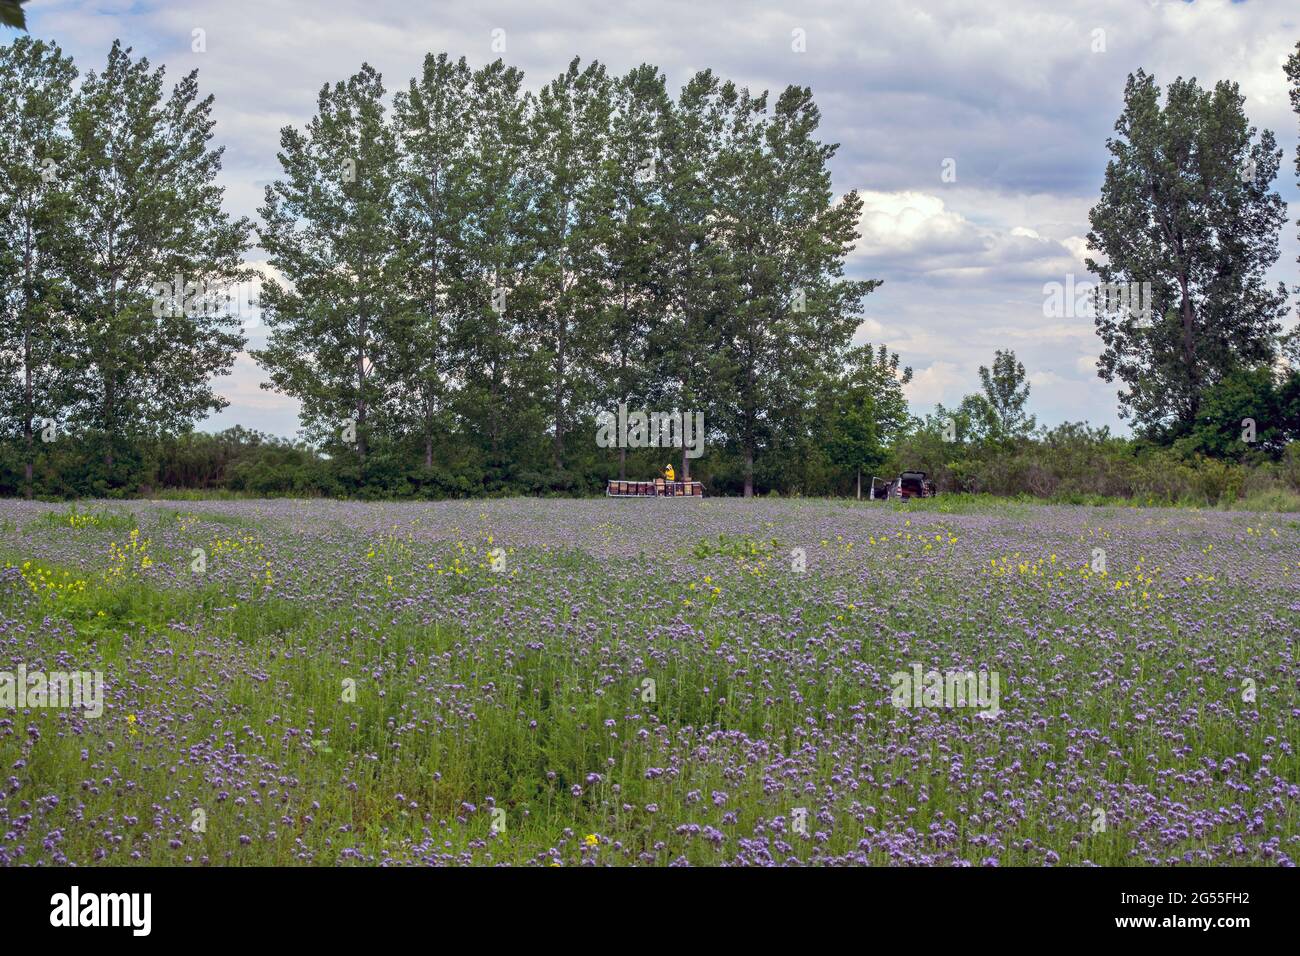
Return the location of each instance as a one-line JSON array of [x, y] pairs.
[[1006, 392], [628, 195], [148, 212], [433, 118], [1186, 206], [867, 410], [35, 99], [496, 398], [331, 226], [691, 258], [791, 311], [568, 144], [994, 414], [1292, 70]]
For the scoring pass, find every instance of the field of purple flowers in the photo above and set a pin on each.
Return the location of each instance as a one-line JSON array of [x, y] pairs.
[[651, 682]]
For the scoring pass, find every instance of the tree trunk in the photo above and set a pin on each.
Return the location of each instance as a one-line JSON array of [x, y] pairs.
[[1189, 348], [494, 425], [433, 327], [749, 472], [859, 482], [28, 437], [110, 393], [28, 400], [622, 463], [559, 405], [361, 391]]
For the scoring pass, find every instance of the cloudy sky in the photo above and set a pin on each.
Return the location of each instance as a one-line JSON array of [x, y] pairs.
[[1014, 97]]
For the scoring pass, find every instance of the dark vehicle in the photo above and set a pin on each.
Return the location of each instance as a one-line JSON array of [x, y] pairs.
[[910, 484]]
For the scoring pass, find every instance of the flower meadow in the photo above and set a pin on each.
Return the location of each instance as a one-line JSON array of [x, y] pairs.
[[651, 682]]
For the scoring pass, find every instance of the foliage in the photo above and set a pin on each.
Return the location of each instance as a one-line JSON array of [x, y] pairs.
[[1187, 208]]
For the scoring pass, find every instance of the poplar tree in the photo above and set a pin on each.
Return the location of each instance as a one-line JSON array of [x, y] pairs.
[[691, 262], [331, 227], [433, 118], [1006, 392], [497, 399], [35, 99], [791, 312], [632, 227], [141, 174], [1292, 70], [1186, 207], [568, 142]]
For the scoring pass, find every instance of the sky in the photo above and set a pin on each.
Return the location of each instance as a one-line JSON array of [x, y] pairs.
[[975, 130]]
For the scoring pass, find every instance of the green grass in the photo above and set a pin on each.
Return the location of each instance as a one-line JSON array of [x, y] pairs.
[[734, 546], [202, 494], [167, 516], [99, 519]]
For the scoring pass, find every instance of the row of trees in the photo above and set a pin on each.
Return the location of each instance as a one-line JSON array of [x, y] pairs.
[[477, 265], [994, 453], [105, 188], [487, 263], [468, 273]]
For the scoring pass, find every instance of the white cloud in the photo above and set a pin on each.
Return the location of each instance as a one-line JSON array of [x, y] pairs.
[[937, 383], [921, 233]]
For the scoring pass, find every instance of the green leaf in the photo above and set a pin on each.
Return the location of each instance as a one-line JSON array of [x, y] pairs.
[[11, 14]]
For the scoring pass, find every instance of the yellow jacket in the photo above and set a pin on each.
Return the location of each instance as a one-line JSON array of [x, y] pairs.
[[669, 474]]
